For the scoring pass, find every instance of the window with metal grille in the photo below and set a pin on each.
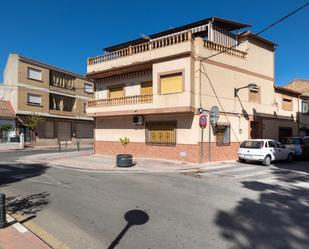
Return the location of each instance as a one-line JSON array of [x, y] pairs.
[[223, 135], [161, 133]]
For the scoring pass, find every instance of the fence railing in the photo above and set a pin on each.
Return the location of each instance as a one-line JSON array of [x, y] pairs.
[[225, 49], [139, 48], [129, 100]]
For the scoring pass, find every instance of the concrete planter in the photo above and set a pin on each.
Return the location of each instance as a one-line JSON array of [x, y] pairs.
[[124, 160]]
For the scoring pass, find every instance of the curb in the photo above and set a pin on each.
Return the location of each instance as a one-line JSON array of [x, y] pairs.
[[64, 155], [26, 233]]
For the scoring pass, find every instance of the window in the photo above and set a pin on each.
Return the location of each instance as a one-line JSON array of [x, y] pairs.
[[34, 99], [223, 135], [161, 133], [172, 83], [88, 88], [271, 144], [146, 88], [305, 107], [116, 92], [34, 74], [252, 144], [254, 95], [287, 104]]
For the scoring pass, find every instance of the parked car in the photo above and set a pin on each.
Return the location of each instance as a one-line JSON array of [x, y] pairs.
[[264, 150], [296, 144]]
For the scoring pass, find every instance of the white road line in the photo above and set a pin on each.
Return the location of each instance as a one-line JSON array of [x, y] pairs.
[[214, 167], [253, 174], [230, 170], [20, 228]]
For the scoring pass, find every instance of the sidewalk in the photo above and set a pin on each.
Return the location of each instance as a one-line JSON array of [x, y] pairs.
[[16, 236], [86, 160]]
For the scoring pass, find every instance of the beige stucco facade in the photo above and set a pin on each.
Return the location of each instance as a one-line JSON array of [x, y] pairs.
[[57, 104], [209, 79]]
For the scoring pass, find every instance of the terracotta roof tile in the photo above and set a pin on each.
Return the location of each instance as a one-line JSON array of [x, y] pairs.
[[6, 109]]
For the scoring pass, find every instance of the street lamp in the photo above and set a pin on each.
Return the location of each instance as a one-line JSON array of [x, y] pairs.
[[250, 86]]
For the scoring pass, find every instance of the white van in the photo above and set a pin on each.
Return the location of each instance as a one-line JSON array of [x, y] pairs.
[[264, 150]]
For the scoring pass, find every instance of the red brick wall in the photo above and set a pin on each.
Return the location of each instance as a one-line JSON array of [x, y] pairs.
[[218, 153]]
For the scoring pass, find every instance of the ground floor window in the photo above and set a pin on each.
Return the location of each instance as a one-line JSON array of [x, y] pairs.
[[161, 133], [223, 134]]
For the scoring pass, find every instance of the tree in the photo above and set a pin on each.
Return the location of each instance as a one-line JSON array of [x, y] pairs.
[[124, 142], [33, 121], [4, 129]]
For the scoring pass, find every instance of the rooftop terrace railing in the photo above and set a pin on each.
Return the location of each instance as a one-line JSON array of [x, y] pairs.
[[151, 45], [221, 48]]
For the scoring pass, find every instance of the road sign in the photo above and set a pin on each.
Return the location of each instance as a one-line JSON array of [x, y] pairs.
[[203, 121], [214, 114]]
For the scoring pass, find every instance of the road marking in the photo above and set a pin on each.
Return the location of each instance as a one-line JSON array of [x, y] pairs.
[[41, 233], [252, 174], [20, 228]]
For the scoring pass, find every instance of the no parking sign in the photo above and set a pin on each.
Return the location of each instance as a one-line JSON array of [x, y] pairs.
[[203, 121]]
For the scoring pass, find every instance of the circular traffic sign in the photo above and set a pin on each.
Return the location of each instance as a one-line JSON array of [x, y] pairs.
[[203, 121]]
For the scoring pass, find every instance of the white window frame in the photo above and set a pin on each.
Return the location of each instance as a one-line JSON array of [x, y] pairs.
[[36, 71], [88, 85], [35, 96]]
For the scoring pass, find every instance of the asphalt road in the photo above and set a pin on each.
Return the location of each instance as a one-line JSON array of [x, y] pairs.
[[229, 206]]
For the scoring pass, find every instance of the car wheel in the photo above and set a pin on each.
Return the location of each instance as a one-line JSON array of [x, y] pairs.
[[267, 161], [290, 157], [241, 160]]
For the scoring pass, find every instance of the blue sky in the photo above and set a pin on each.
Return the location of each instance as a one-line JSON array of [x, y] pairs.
[[64, 33]]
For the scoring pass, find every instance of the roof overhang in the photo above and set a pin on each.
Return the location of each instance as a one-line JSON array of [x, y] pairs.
[[287, 91]]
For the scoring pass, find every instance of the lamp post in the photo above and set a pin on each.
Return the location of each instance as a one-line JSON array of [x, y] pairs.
[[250, 86]]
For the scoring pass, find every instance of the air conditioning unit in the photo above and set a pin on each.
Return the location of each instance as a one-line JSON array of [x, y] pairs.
[[138, 120]]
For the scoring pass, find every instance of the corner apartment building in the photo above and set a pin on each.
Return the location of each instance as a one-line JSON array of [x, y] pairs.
[[302, 86], [57, 95], [151, 89]]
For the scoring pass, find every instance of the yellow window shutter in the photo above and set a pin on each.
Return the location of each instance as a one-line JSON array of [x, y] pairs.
[[116, 92], [146, 88], [171, 83]]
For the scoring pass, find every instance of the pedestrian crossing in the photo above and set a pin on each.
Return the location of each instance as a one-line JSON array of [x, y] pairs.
[[239, 171]]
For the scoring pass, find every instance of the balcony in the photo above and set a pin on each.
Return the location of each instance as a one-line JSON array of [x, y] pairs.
[[129, 100], [141, 105], [158, 48]]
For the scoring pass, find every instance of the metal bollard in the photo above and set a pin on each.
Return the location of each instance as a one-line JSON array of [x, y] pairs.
[[2, 211], [59, 146]]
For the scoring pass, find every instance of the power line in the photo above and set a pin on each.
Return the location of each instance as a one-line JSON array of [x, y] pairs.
[[263, 30]]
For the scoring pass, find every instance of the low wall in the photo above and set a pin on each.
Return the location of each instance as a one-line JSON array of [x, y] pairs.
[[180, 152]]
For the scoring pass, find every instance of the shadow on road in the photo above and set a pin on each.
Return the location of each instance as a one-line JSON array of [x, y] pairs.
[[279, 218], [27, 205], [17, 172], [133, 217]]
